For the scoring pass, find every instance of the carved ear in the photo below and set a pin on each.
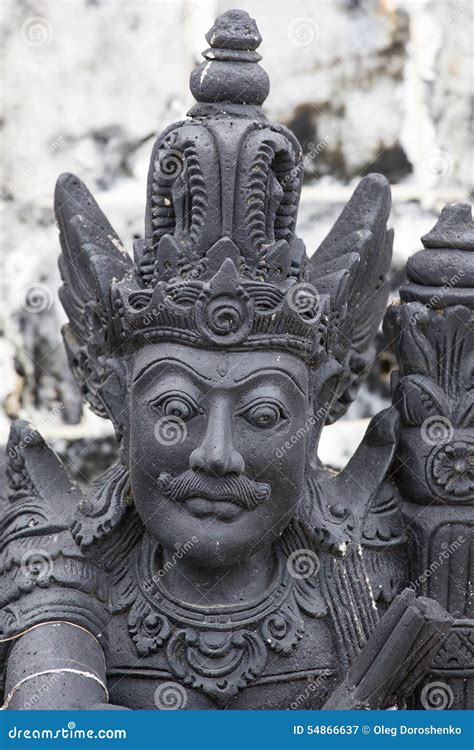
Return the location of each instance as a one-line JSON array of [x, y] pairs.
[[351, 266], [92, 256]]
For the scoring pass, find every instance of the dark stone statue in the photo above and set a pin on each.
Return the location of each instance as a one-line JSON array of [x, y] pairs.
[[219, 564]]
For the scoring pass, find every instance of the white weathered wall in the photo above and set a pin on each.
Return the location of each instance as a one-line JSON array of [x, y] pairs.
[[367, 85]]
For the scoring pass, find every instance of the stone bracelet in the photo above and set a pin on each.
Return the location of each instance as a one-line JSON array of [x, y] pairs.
[[71, 649], [43, 624], [79, 672]]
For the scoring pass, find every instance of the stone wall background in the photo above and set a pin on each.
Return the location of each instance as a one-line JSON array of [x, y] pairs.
[[366, 85]]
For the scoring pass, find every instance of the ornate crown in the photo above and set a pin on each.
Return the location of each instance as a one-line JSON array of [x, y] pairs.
[[220, 256], [220, 264]]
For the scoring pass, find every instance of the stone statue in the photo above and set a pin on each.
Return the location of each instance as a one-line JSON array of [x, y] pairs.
[[219, 564]]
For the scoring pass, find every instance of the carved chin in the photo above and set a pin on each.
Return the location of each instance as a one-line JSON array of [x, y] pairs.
[[224, 531]]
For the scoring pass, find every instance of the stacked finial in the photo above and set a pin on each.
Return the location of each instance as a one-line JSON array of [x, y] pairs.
[[230, 72], [443, 273]]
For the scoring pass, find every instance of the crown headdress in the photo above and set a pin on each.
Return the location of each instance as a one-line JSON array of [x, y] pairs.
[[220, 265]]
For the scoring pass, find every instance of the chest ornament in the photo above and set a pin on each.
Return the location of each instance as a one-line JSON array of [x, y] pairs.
[[221, 650]]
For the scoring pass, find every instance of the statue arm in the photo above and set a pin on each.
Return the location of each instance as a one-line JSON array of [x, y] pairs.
[[55, 665], [52, 597]]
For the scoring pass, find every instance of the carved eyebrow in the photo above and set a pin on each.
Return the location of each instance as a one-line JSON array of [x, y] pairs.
[[168, 360], [271, 369]]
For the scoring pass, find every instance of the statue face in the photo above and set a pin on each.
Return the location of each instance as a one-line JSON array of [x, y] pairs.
[[207, 456]]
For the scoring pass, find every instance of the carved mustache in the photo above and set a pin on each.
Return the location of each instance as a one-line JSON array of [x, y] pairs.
[[236, 489]]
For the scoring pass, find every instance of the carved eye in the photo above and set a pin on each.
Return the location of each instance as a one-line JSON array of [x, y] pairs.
[[264, 414], [178, 405]]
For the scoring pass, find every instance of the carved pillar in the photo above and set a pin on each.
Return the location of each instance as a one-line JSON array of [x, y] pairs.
[[432, 329]]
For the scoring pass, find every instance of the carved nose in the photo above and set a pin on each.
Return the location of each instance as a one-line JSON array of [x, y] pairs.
[[216, 455], [217, 460]]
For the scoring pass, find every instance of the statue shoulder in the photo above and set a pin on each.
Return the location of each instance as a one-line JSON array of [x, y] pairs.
[[45, 575]]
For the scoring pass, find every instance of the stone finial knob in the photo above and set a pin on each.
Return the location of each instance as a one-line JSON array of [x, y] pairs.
[[454, 228], [234, 30], [443, 273], [230, 72]]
